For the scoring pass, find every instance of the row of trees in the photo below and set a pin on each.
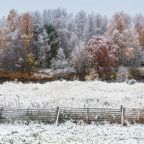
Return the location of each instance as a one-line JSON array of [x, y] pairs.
[[24, 44], [56, 39]]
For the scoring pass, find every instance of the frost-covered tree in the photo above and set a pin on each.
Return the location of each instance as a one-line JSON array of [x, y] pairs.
[[102, 53], [60, 61], [89, 29], [59, 18], [10, 37], [100, 23], [42, 42], [25, 25], [80, 61], [80, 22], [72, 43], [37, 30], [120, 30], [139, 27], [95, 25], [53, 42], [39, 36]]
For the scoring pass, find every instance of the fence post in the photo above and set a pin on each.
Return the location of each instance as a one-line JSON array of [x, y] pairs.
[[122, 115], [87, 110], [88, 121], [57, 115]]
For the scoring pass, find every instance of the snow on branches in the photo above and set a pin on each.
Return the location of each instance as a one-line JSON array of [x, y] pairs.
[[102, 53]]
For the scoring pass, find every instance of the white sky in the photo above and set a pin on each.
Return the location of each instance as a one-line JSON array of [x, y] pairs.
[[106, 7]]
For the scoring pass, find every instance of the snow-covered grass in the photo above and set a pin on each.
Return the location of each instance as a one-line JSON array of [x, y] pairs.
[[70, 133], [71, 94]]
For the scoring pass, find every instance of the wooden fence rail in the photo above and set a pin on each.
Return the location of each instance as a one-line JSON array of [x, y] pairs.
[[61, 114]]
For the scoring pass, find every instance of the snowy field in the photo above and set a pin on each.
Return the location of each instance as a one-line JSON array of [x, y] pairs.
[[71, 94], [70, 133]]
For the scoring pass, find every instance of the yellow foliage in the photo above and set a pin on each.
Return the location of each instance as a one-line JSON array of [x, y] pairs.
[[24, 76]]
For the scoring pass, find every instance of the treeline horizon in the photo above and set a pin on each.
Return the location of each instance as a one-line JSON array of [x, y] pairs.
[[57, 39]]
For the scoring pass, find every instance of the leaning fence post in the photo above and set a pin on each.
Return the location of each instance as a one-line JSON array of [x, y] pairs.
[[122, 115], [57, 115]]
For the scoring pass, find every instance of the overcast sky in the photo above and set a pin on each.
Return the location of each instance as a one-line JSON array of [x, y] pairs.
[[106, 7]]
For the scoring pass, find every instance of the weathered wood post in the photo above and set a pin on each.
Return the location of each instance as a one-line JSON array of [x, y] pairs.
[[88, 120], [1, 115], [57, 115], [122, 115]]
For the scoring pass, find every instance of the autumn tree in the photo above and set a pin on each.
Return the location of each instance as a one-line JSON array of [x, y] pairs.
[[102, 54], [121, 32], [12, 20], [3, 47], [25, 25], [139, 27], [26, 29], [44, 40], [9, 41]]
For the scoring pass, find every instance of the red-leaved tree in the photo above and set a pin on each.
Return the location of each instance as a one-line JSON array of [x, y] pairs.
[[103, 56]]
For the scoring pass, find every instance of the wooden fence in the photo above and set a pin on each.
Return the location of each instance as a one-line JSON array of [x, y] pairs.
[[62, 114]]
